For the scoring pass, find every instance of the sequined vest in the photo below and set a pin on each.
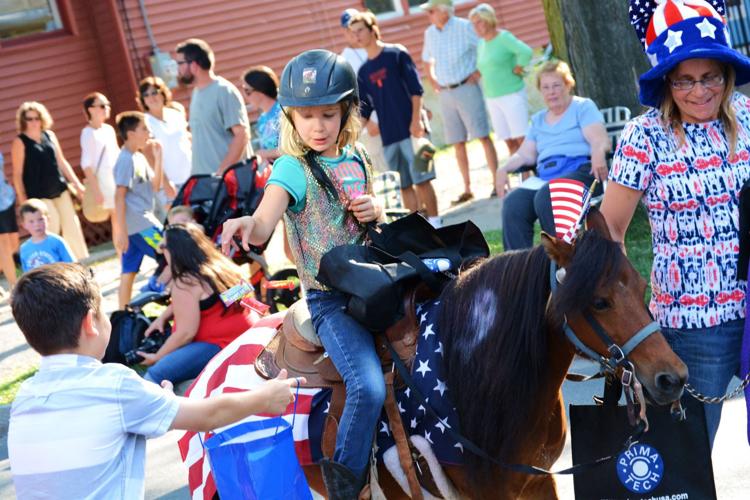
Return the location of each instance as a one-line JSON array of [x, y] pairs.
[[323, 223]]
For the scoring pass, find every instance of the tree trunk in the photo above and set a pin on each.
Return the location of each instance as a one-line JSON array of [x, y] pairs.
[[596, 38]]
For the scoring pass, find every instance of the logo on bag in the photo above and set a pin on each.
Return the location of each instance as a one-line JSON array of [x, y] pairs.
[[640, 468]]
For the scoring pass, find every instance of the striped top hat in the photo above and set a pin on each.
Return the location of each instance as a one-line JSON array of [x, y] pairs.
[[673, 31]]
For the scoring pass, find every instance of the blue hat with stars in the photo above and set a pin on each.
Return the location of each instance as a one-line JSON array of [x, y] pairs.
[[673, 31]]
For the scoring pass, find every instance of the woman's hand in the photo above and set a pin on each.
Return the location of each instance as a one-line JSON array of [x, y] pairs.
[[242, 225], [149, 359], [501, 183], [156, 326], [365, 208], [599, 169]]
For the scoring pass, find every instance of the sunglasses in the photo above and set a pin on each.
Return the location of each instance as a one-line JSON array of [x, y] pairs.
[[151, 93], [100, 106], [32, 118]]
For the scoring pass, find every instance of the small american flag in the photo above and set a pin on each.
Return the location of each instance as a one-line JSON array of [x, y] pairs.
[[232, 370], [570, 202]]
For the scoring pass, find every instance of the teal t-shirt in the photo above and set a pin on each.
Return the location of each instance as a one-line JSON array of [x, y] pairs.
[[496, 60], [346, 170]]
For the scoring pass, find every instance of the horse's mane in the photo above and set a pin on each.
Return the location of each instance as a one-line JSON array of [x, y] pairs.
[[494, 326]]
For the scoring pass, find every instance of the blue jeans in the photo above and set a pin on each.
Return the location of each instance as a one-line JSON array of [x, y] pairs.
[[352, 349], [712, 356], [183, 363]]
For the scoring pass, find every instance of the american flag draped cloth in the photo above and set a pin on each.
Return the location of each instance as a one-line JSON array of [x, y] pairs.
[[570, 201], [232, 371]]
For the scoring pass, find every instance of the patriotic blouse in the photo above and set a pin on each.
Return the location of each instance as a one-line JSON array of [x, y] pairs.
[[691, 193]]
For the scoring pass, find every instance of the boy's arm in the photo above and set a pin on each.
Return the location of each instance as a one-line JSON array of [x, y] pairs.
[[119, 226], [205, 415], [157, 167], [65, 254]]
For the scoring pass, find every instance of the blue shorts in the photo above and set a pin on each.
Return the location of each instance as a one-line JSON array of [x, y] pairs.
[[140, 244]]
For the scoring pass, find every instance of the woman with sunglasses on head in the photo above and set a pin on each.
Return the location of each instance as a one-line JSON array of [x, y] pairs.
[[99, 150], [40, 170], [166, 120], [203, 325], [686, 158]]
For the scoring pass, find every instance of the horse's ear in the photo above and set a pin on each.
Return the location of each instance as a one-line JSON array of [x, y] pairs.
[[596, 222], [558, 250]]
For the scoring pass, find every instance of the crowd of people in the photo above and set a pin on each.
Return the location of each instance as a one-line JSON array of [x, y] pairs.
[[687, 157]]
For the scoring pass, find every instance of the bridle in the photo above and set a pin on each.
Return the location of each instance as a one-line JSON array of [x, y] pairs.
[[618, 356]]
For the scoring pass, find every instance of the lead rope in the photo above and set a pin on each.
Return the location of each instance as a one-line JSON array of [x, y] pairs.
[[718, 399]]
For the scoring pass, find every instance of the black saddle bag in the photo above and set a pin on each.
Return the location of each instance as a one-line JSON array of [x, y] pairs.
[[399, 254]]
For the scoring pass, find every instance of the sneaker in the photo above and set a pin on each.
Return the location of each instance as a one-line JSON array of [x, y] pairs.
[[463, 198]]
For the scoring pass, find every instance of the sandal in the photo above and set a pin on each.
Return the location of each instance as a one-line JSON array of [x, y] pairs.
[[463, 198], [493, 193]]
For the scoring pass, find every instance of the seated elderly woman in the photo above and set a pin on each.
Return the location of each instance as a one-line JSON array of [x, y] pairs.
[[202, 324], [566, 140]]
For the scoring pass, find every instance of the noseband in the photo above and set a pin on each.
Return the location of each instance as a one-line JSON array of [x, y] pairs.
[[618, 356]]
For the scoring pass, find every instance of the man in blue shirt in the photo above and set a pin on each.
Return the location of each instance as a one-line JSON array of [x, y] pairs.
[[389, 84], [450, 52], [42, 247]]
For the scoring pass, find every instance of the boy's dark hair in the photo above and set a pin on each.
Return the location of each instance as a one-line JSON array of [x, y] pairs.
[[32, 205], [128, 121], [197, 51], [49, 304]]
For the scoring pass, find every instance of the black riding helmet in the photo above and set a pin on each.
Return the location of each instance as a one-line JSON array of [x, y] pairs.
[[317, 78]]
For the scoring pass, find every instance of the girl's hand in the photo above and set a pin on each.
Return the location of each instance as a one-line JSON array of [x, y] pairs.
[[242, 225], [365, 208], [149, 359]]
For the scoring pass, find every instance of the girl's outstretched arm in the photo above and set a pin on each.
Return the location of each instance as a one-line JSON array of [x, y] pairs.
[[256, 228]]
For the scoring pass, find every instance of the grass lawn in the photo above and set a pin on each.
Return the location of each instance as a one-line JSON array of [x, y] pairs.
[[637, 241], [9, 389]]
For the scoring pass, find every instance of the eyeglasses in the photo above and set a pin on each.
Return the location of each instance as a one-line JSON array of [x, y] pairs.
[[248, 91], [151, 93], [551, 88], [186, 61], [709, 82], [32, 118]]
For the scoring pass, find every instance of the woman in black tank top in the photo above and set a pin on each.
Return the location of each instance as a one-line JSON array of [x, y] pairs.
[[40, 171]]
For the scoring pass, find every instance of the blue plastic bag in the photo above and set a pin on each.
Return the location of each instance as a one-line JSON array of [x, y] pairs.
[[256, 460]]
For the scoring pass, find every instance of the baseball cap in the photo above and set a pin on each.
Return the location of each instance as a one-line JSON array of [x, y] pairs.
[[347, 16]]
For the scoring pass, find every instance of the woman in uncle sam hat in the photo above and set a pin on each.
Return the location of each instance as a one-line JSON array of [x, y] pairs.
[[687, 157]]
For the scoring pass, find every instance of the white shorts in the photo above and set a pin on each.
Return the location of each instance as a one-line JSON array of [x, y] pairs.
[[509, 115]]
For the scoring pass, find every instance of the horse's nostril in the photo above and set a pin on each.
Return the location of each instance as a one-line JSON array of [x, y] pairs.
[[669, 381]]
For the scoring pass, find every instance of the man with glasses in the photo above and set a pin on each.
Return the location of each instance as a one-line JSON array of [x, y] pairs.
[[218, 118], [450, 51]]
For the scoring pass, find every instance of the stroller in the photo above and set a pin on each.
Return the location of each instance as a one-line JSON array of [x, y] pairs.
[[238, 192]]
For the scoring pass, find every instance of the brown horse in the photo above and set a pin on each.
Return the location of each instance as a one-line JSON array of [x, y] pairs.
[[505, 355], [520, 364]]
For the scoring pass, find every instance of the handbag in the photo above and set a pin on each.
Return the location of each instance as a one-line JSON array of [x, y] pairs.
[[256, 460], [93, 211], [671, 460], [400, 254]]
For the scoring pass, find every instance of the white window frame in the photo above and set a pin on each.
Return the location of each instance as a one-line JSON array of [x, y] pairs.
[[57, 20]]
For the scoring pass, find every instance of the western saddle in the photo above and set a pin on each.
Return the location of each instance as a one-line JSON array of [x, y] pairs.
[[297, 348]]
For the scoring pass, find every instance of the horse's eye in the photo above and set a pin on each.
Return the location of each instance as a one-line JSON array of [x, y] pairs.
[[600, 303]]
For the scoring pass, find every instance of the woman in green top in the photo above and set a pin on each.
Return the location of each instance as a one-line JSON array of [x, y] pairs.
[[501, 58]]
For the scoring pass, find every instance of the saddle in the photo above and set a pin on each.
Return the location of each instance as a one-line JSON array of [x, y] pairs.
[[297, 348]]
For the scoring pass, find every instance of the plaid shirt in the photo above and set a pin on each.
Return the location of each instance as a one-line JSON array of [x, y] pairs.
[[453, 50]]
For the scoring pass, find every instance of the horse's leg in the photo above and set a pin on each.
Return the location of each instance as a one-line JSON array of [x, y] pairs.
[[540, 488], [314, 479]]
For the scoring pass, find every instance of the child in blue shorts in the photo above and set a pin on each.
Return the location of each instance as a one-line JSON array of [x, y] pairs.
[[136, 231]]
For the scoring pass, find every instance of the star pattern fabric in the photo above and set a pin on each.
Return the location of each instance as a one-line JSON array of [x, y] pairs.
[[427, 373], [640, 12]]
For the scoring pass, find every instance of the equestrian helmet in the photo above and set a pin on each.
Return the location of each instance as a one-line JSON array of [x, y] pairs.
[[317, 78]]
